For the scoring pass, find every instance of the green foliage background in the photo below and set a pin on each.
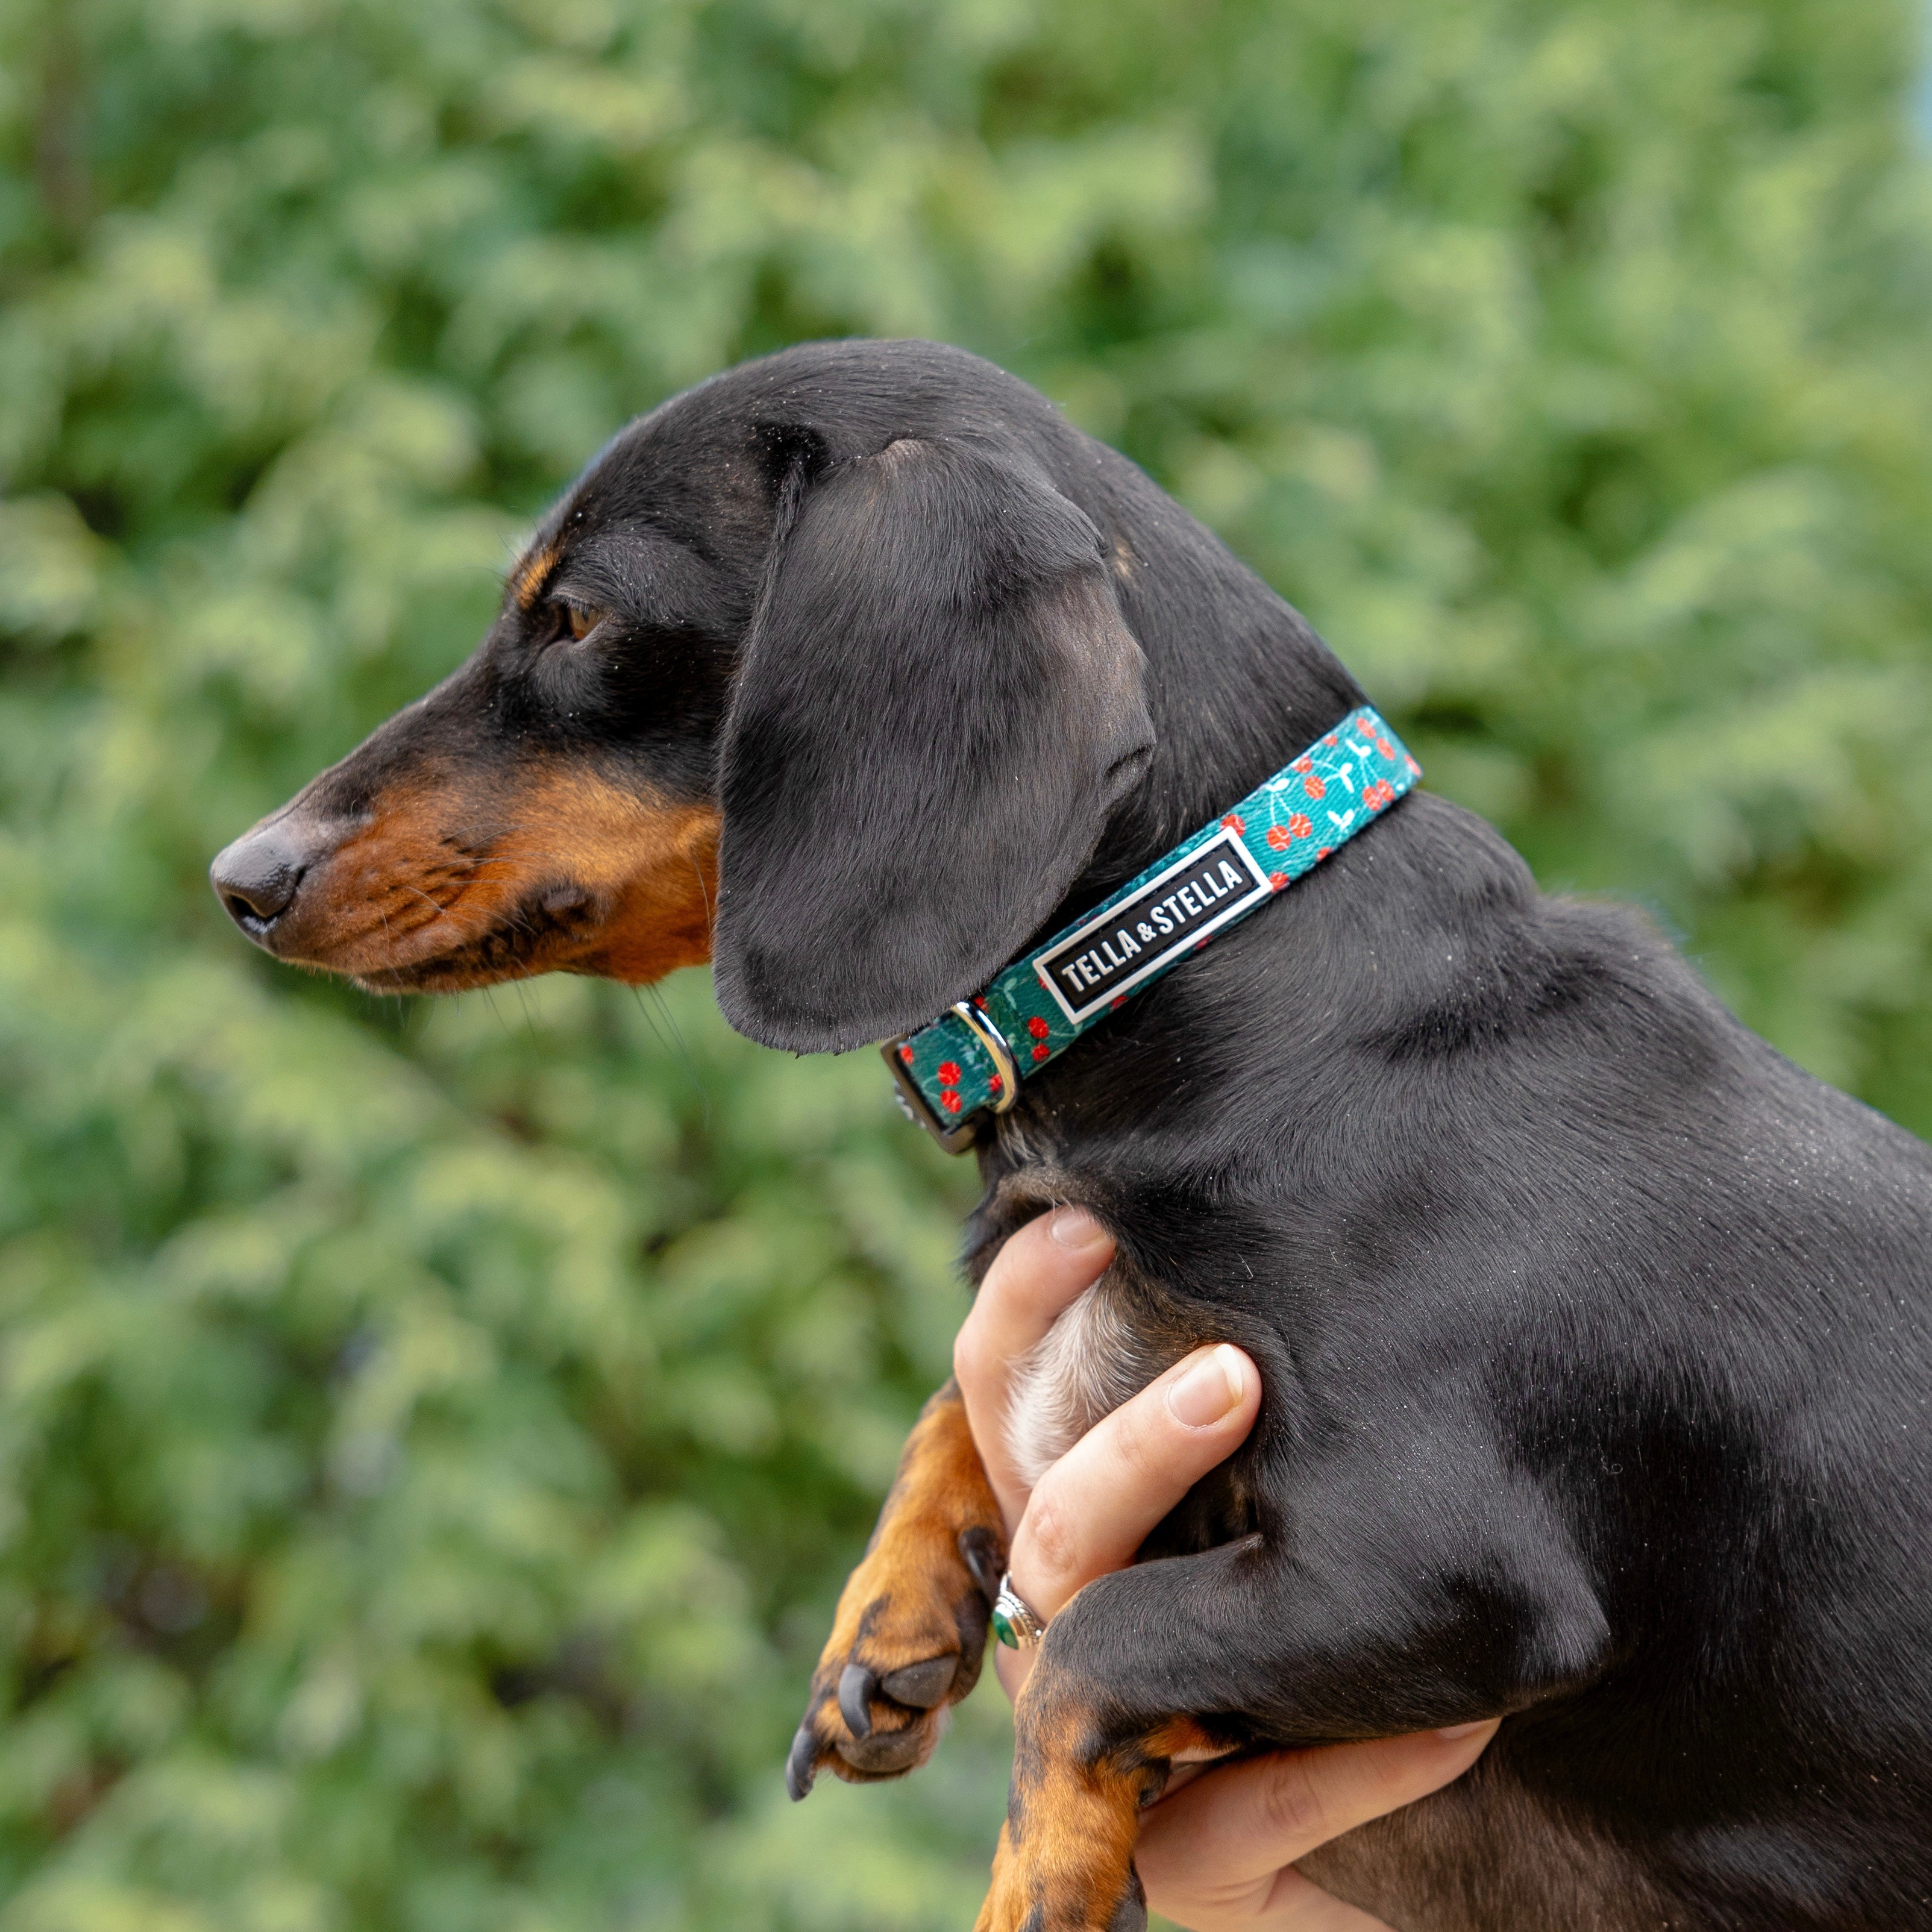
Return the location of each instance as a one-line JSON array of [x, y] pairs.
[[431, 1439]]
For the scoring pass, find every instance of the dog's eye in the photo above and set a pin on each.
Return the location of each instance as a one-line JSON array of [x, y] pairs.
[[577, 620]]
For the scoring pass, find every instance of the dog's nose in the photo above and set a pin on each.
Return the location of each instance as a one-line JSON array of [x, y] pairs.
[[257, 877]]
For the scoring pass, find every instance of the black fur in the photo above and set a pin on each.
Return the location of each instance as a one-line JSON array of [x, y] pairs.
[[1597, 1338], [937, 708]]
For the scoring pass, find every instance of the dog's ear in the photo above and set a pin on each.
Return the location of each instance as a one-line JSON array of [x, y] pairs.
[[937, 708]]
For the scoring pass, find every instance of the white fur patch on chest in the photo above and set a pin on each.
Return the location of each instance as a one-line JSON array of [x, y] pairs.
[[1083, 1368]]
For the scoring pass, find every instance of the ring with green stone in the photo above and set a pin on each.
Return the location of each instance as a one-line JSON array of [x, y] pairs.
[[1014, 1622]]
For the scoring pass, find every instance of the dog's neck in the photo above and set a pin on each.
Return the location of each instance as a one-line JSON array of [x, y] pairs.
[[1234, 697]]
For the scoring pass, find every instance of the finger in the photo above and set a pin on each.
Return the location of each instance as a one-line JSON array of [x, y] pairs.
[[1223, 1843], [1296, 1904], [1048, 1265], [1096, 1506]]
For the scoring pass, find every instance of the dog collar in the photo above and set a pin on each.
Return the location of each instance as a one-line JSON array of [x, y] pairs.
[[969, 1063]]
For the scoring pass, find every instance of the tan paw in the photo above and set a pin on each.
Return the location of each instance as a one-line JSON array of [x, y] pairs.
[[907, 1643]]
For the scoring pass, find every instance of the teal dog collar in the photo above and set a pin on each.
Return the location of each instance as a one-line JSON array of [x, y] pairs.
[[970, 1062]]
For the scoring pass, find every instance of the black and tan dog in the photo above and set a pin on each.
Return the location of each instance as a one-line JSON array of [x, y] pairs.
[[1596, 1339]]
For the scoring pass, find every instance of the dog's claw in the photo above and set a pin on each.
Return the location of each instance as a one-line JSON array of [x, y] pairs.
[[856, 1686], [918, 1685], [801, 1765], [983, 1553], [909, 1634], [880, 1743]]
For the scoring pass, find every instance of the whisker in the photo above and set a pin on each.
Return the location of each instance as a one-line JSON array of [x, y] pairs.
[[435, 910], [682, 1051], [530, 1024], [705, 890], [521, 858]]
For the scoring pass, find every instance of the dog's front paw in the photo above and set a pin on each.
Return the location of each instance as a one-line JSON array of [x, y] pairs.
[[907, 1644], [1074, 1892]]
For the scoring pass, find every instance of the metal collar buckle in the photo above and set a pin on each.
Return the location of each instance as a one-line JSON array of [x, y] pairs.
[[956, 1136]]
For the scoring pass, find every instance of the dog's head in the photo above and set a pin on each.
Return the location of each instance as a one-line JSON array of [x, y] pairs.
[[814, 671]]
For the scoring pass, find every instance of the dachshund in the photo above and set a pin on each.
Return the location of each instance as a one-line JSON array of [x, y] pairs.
[[1595, 1337]]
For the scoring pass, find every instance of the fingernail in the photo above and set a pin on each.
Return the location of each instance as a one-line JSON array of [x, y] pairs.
[[1214, 1385], [1456, 1731], [1075, 1228]]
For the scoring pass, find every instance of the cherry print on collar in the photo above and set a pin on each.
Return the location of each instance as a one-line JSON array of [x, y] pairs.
[[954, 1075]]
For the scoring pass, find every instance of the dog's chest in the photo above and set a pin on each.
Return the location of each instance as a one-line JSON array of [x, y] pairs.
[[1092, 1359]]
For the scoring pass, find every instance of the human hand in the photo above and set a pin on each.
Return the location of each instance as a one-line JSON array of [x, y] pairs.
[[1217, 1852]]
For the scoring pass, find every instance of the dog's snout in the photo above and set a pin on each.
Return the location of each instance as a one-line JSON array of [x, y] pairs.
[[257, 878]]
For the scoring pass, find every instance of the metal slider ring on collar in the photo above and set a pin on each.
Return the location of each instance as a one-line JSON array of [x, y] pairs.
[[989, 1037]]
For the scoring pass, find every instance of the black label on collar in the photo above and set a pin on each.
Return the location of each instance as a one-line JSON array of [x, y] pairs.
[[1119, 949]]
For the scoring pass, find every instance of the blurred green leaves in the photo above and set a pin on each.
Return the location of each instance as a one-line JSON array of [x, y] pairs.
[[431, 1438]]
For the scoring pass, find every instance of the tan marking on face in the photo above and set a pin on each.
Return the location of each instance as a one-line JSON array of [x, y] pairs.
[[665, 893], [448, 887], [530, 573]]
